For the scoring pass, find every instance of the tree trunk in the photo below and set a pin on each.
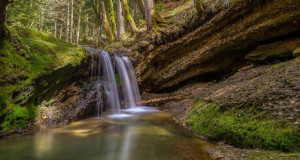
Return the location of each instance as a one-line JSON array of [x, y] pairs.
[[87, 27], [78, 24], [68, 22], [55, 27], [128, 17], [199, 6], [112, 17], [148, 13], [159, 101], [120, 20], [41, 19], [71, 21], [60, 31], [107, 29]]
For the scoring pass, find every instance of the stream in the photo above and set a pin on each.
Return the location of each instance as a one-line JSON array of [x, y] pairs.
[[143, 133]]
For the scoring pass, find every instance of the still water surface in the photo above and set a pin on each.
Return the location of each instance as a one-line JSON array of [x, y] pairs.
[[144, 134]]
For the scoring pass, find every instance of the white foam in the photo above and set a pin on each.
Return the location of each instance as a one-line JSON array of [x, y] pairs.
[[120, 116], [141, 109]]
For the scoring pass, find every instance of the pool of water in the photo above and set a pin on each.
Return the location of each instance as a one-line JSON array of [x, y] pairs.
[[140, 134]]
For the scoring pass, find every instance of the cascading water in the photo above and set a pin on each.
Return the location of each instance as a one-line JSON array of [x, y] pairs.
[[132, 78], [103, 72], [126, 84], [110, 84]]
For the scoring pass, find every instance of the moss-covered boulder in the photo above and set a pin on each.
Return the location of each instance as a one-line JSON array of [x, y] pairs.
[[31, 63]]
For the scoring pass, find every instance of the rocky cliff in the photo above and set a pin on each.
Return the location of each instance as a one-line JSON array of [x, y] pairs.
[[221, 44]]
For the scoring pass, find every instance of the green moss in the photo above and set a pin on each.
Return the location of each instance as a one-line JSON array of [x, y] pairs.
[[16, 117], [29, 67], [246, 128], [118, 80], [112, 17]]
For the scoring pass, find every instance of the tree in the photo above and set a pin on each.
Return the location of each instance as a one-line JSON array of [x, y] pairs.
[[151, 16], [107, 29], [120, 20], [128, 17], [71, 22], [79, 22], [68, 22], [148, 13], [112, 17]]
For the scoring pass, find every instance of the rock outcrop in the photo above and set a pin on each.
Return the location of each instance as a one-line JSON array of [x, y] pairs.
[[220, 44]]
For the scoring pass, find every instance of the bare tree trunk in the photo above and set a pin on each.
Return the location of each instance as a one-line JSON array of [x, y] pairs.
[[120, 20], [41, 19], [60, 31], [68, 22], [128, 17], [87, 27], [148, 13], [55, 27], [108, 32], [71, 21], [79, 21]]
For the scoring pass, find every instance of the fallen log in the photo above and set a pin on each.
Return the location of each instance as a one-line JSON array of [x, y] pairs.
[[159, 101]]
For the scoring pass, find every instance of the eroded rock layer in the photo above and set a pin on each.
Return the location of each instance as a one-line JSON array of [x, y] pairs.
[[220, 44]]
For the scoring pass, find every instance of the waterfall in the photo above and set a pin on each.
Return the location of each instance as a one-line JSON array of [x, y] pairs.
[[126, 84], [103, 72], [109, 82], [132, 78]]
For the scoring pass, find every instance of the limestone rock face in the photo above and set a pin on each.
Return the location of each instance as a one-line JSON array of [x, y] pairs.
[[276, 50], [219, 45]]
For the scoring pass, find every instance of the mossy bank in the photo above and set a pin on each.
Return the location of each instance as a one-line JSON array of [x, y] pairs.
[[31, 63]]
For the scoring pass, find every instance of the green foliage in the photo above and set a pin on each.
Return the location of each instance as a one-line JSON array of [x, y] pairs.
[[15, 118], [243, 128], [118, 80], [22, 13]]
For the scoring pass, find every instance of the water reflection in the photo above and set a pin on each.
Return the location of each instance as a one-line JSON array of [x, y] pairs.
[[143, 136], [43, 143], [127, 144]]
